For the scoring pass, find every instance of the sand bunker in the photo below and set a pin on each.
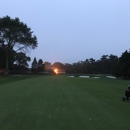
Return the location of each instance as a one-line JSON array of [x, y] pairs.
[[83, 76], [70, 76], [111, 77], [96, 77]]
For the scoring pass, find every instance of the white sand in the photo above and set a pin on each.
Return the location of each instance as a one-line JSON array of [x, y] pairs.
[[70, 76], [83, 76], [96, 77], [111, 77]]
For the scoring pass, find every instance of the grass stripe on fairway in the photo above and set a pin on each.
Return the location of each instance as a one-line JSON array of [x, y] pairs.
[[62, 103]]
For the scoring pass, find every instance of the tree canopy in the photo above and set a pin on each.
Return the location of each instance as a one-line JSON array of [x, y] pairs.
[[123, 68], [15, 35]]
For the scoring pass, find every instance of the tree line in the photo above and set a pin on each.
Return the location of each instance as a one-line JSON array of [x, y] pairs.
[[16, 38], [107, 64]]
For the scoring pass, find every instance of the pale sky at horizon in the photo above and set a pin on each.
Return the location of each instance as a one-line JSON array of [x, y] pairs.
[[69, 31]]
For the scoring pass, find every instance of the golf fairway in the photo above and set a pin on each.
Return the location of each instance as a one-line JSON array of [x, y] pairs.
[[64, 103]]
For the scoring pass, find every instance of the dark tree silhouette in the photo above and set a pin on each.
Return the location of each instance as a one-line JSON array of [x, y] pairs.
[[34, 65], [105, 65], [124, 65], [58, 65], [14, 33], [40, 65]]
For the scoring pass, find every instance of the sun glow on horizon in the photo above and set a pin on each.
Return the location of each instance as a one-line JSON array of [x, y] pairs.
[[56, 71]]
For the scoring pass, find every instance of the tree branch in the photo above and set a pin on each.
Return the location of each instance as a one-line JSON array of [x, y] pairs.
[[20, 48]]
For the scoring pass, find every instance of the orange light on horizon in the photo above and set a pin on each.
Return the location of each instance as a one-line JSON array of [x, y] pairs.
[[56, 71]]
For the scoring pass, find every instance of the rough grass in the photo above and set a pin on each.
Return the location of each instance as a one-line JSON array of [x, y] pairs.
[[63, 103]]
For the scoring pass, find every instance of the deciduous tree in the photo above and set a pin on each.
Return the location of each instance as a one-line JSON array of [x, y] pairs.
[[15, 35]]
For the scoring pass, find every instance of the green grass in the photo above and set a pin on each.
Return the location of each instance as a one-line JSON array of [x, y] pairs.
[[14, 78], [63, 103]]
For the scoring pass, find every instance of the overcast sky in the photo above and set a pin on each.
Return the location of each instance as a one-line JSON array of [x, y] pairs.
[[69, 31]]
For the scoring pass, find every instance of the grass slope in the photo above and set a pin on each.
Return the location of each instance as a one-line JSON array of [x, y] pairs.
[[62, 103]]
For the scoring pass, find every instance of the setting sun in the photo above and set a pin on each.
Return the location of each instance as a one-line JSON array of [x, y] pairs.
[[56, 71]]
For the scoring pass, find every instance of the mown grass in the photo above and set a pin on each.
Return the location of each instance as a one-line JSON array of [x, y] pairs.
[[14, 78], [63, 103]]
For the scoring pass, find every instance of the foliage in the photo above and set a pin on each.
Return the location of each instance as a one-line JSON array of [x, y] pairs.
[[40, 66], [34, 65], [106, 65], [48, 67], [21, 62], [37, 67], [124, 65], [58, 65], [15, 35]]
